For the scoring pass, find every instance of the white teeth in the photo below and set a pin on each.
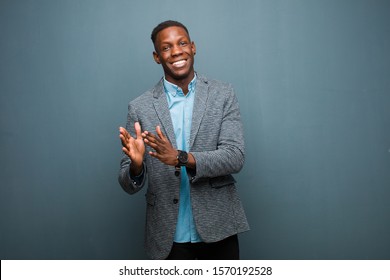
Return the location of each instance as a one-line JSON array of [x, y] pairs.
[[179, 63]]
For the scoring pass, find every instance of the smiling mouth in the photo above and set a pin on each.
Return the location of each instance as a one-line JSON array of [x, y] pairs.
[[179, 63]]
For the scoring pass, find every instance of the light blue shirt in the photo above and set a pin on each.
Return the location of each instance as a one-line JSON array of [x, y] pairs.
[[180, 107]]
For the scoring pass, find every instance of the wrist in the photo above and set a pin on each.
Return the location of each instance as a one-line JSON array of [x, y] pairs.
[[135, 170], [191, 161]]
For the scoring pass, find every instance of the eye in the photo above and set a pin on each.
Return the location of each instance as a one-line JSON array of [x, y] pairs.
[[183, 43], [165, 48]]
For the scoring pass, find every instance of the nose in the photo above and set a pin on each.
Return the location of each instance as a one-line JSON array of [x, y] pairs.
[[176, 50]]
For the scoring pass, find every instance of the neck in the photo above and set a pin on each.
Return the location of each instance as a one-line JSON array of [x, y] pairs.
[[182, 83]]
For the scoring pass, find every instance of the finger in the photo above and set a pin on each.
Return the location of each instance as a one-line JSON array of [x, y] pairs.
[[154, 154], [124, 132], [137, 128], [151, 137], [124, 141], [159, 132], [121, 131], [144, 134], [151, 144], [126, 151]]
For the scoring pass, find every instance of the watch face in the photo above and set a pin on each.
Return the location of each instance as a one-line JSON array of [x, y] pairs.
[[183, 157]]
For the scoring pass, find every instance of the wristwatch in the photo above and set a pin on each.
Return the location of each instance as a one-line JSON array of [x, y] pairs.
[[182, 156]]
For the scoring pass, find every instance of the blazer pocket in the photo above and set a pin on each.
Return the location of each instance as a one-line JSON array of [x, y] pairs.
[[150, 198], [222, 181]]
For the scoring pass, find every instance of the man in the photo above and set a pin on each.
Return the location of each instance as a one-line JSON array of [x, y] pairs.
[[185, 137]]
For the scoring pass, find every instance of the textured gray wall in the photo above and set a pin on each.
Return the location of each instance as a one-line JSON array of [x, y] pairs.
[[312, 78]]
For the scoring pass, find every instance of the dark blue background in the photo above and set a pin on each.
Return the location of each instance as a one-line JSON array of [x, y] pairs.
[[312, 79]]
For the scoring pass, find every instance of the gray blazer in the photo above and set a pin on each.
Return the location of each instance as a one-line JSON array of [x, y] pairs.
[[217, 144]]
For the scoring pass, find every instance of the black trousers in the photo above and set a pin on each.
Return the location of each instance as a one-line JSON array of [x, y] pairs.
[[226, 249]]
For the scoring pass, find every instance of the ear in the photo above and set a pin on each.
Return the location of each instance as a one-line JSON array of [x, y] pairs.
[[156, 57], [193, 47]]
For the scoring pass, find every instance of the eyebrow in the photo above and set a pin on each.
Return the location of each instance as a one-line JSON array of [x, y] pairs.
[[179, 39]]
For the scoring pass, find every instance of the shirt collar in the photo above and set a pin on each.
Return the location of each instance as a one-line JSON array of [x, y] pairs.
[[173, 89]]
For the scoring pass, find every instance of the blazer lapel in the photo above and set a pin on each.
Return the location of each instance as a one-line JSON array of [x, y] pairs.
[[201, 95], [162, 110]]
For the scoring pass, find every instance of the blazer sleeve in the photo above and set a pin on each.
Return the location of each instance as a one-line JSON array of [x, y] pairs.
[[131, 185], [229, 155]]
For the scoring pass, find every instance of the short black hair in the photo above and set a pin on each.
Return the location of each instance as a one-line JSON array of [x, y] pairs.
[[166, 24]]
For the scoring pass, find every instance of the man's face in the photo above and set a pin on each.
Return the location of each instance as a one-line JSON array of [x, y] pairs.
[[175, 52]]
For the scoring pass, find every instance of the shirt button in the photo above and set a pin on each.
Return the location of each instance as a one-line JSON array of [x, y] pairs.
[[175, 201]]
